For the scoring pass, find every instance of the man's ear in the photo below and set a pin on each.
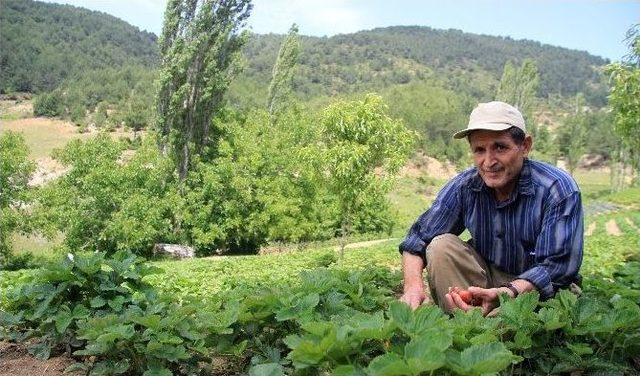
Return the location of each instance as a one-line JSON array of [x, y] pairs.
[[527, 144]]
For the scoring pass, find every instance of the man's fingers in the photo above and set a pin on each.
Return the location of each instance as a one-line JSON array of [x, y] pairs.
[[413, 300], [459, 302]]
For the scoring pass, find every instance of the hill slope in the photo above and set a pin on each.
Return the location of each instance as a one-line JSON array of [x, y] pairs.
[[382, 57], [42, 44]]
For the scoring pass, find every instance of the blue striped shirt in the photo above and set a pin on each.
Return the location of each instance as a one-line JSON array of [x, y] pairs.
[[537, 234]]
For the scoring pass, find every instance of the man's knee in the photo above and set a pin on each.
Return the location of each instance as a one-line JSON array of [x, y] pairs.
[[442, 248]]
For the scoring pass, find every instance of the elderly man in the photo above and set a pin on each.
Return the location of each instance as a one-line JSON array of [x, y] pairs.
[[525, 219]]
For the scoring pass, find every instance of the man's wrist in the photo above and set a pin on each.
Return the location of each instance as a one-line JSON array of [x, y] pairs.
[[510, 289]]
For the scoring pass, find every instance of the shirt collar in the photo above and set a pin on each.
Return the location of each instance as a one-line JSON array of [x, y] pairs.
[[525, 183]]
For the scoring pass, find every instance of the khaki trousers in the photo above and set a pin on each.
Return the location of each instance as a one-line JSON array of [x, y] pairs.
[[452, 262]]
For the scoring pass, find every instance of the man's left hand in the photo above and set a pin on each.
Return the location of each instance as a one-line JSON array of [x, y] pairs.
[[485, 299]]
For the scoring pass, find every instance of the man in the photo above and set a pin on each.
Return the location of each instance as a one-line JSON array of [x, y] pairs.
[[525, 219]]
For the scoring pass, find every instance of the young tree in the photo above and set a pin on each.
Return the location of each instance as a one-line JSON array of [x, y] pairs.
[[15, 171], [625, 91], [518, 86], [365, 148], [200, 47], [280, 88]]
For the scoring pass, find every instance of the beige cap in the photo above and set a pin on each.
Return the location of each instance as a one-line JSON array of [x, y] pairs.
[[493, 116]]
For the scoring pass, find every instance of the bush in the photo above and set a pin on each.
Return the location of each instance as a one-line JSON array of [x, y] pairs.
[[48, 104]]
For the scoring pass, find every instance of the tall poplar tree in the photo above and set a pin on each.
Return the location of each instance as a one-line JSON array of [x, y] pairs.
[[518, 86], [200, 49], [281, 86]]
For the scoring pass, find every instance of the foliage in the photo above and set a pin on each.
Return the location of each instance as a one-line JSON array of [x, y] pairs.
[[15, 171], [280, 88], [260, 188], [108, 201], [572, 135], [519, 86], [365, 148], [200, 46], [435, 113], [625, 91], [48, 104], [311, 313], [44, 44], [375, 59], [101, 309]]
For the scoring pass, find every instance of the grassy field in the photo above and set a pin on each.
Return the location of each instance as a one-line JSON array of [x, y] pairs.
[[43, 135]]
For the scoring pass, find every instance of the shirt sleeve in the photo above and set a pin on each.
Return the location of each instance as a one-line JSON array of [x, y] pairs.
[[558, 252], [444, 216]]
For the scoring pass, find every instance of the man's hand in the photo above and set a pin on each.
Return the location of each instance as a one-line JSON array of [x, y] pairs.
[[485, 299], [414, 297], [414, 291]]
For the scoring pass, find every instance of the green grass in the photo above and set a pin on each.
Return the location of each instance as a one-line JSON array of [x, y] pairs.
[[410, 198], [593, 184]]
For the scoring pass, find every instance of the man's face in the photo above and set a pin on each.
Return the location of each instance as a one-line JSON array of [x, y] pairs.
[[498, 159]]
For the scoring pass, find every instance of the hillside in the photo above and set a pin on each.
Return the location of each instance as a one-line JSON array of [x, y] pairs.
[[383, 57], [43, 44]]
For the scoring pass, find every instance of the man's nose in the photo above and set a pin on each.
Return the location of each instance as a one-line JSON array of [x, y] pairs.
[[490, 159]]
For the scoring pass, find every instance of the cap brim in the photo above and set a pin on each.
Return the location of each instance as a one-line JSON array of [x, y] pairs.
[[487, 127]]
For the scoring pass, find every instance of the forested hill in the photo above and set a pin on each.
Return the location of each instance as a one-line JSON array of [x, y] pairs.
[[394, 55], [43, 43]]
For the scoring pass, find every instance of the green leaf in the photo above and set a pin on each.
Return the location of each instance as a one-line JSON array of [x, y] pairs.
[[580, 348], [427, 353], [97, 302], [298, 307], [157, 371], [80, 312], [269, 369], [487, 358], [347, 370], [40, 350], [551, 319], [63, 319], [390, 364]]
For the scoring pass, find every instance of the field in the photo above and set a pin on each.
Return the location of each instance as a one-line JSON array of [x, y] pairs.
[[312, 312], [305, 310]]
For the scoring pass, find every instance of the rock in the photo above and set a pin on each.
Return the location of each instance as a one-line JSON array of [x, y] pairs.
[[174, 250], [592, 161]]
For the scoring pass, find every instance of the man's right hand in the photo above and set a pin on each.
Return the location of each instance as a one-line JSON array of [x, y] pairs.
[[414, 298]]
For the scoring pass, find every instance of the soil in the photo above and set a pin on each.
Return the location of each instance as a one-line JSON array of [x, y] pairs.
[[15, 360], [422, 165], [612, 228], [590, 229]]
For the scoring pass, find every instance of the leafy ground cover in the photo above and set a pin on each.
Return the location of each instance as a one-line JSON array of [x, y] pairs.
[[311, 313]]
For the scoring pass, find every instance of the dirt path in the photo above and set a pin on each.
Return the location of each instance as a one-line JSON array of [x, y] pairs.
[[590, 229], [612, 228], [365, 244]]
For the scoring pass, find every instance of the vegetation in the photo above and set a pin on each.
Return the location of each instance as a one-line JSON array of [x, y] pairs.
[[625, 90], [43, 44], [15, 170], [317, 313], [305, 157], [200, 47]]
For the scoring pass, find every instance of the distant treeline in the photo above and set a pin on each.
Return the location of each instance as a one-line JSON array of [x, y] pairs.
[[44, 44], [374, 59]]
